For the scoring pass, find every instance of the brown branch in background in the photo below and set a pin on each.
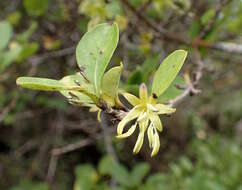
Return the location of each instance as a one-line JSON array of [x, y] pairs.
[[217, 10], [163, 34], [38, 59], [77, 145], [107, 137], [108, 142], [72, 147]]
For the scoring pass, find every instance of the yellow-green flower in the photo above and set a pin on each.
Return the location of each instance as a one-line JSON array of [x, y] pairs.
[[146, 111]]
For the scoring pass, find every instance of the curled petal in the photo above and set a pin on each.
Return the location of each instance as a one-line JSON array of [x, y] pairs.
[[150, 134], [156, 144], [163, 109], [132, 114], [133, 100], [155, 119], [129, 132], [143, 92], [139, 142]]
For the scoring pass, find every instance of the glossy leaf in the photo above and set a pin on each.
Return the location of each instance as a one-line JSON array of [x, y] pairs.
[[168, 71], [110, 84], [95, 50], [5, 33]]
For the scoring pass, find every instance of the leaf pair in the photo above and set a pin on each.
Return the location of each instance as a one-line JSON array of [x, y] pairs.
[[93, 54]]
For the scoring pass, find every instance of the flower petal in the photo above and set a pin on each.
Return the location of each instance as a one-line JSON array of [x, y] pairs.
[[143, 95], [155, 119], [132, 114], [139, 142], [142, 117], [152, 108], [129, 132], [163, 109], [133, 100], [156, 144], [150, 135]]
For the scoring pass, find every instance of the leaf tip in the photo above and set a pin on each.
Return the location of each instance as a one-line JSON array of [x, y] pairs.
[[19, 81]]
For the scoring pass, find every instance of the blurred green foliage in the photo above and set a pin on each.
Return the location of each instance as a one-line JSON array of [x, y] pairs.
[[217, 166]]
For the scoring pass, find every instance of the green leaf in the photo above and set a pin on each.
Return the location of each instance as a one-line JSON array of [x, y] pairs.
[[207, 16], [95, 50], [6, 58], [24, 37], [28, 49], [36, 8], [45, 84], [5, 33], [167, 71], [136, 77], [172, 91], [138, 173], [86, 177], [108, 166], [110, 84], [77, 96]]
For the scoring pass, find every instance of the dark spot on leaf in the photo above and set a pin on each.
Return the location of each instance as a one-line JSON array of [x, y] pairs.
[[173, 66], [101, 51], [77, 82]]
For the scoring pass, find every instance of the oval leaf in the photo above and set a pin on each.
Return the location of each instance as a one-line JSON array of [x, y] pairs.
[[110, 84], [167, 71], [95, 50]]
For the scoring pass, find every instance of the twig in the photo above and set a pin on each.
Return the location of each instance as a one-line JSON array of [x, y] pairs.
[[77, 145], [71, 147], [37, 59], [107, 138], [52, 168]]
